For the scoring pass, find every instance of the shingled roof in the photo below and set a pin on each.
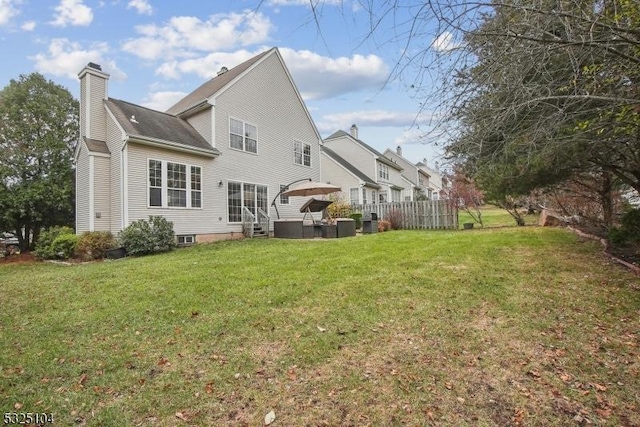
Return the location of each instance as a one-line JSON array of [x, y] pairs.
[[348, 166], [146, 124], [95, 146], [209, 88], [381, 157]]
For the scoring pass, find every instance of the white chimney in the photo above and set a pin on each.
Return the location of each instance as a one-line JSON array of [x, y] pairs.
[[354, 131], [93, 91], [399, 151]]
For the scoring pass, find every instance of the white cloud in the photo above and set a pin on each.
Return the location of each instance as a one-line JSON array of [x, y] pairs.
[[187, 36], [411, 136], [445, 42], [72, 12], [205, 67], [29, 26], [7, 11], [67, 58], [141, 6], [366, 118], [161, 101], [338, 76]]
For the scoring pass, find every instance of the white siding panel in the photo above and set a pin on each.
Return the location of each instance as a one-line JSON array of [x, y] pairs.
[[356, 154], [265, 98], [202, 123], [101, 191], [335, 174], [82, 191], [410, 170], [185, 221]]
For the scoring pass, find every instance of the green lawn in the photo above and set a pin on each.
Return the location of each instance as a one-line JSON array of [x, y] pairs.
[[489, 327], [495, 217]]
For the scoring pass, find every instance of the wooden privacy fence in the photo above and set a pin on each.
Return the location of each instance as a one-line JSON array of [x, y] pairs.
[[428, 214]]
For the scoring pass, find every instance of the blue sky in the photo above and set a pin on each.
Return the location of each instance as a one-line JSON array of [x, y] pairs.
[[158, 51]]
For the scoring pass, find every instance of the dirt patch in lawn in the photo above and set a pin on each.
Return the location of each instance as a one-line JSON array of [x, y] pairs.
[[21, 258]]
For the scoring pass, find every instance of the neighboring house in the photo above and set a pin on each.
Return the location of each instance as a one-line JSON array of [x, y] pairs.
[[357, 188], [438, 184], [371, 164], [416, 177], [233, 143]]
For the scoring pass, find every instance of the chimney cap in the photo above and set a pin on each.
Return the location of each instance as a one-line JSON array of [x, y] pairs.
[[94, 66]]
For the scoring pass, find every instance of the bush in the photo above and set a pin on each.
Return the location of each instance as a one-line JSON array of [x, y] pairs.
[[394, 218], [95, 244], [358, 218], [631, 225], [144, 237], [629, 231], [44, 246], [383, 226], [64, 245]]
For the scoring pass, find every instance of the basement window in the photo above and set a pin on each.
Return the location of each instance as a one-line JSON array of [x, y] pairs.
[[186, 239]]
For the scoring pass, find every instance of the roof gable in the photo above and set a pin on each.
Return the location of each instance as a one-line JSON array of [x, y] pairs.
[[380, 157], [147, 124], [348, 166], [214, 85]]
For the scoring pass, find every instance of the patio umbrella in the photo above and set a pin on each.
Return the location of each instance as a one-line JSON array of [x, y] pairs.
[[311, 188]]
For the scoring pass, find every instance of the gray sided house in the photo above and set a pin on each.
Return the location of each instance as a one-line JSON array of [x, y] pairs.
[[378, 179], [228, 146], [417, 179]]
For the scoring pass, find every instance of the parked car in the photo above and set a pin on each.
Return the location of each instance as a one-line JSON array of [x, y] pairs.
[[9, 244]]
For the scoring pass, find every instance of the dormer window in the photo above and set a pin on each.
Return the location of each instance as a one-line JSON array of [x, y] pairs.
[[383, 172]]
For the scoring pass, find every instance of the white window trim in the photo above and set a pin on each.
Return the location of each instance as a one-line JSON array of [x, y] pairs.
[[244, 123], [186, 237], [164, 188], [280, 186], [358, 192], [295, 142], [383, 172], [242, 198]]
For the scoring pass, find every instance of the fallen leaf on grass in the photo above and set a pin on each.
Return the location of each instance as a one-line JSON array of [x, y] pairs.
[[83, 379], [164, 361], [182, 416], [565, 377], [17, 406], [208, 388], [269, 418], [321, 329], [599, 387]]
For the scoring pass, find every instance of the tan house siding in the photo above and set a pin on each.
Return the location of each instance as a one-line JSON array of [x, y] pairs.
[[83, 110], [202, 123], [97, 91], [185, 220], [114, 184], [265, 98], [102, 199], [82, 188]]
